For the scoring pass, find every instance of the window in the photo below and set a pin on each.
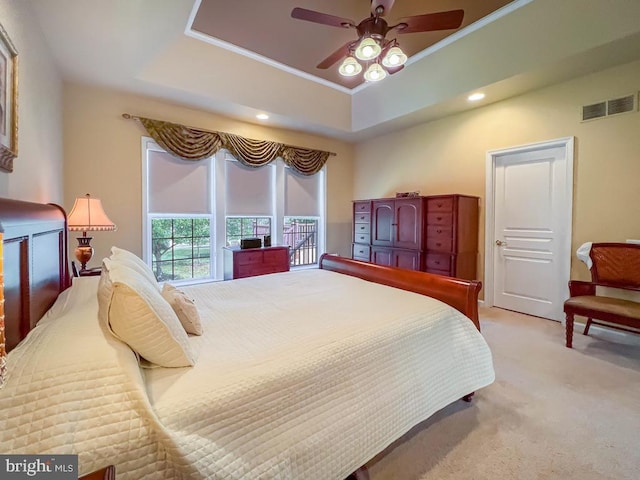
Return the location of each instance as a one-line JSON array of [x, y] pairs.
[[249, 200], [303, 207], [192, 209], [238, 228], [181, 248], [177, 230], [301, 234]]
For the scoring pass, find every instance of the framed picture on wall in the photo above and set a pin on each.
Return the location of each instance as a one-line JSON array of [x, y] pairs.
[[8, 102]]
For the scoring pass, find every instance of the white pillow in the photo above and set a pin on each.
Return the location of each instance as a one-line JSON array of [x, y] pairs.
[[140, 317], [105, 289], [130, 259], [184, 307]]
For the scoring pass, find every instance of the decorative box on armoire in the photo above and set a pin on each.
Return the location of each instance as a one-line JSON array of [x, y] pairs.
[[438, 234]]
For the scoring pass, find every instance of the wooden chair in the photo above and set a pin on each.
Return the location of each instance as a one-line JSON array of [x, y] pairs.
[[615, 265]]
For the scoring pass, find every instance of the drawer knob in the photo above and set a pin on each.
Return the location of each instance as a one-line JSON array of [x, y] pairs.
[[439, 218], [439, 231], [361, 228], [437, 262], [440, 204], [438, 244]]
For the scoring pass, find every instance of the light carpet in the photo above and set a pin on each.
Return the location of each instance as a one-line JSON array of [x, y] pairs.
[[552, 413]]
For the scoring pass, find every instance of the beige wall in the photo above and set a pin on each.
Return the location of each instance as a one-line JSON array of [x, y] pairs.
[[37, 174], [449, 155], [103, 157]]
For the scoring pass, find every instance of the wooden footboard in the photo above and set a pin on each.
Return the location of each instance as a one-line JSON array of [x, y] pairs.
[[460, 294]]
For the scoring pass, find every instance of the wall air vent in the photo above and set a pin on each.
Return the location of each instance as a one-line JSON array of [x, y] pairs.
[[596, 110], [606, 108], [621, 105]]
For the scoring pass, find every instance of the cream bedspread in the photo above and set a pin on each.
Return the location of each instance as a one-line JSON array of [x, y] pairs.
[[299, 375]]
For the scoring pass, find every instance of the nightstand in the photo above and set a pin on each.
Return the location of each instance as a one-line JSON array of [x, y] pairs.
[[107, 473], [87, 272]]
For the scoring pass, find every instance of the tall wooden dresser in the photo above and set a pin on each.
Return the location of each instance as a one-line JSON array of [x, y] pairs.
[[437, 234]]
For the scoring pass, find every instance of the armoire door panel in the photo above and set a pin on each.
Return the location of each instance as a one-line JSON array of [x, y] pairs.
[[382, 223], [382, 256], [407, 259], [408, 223]]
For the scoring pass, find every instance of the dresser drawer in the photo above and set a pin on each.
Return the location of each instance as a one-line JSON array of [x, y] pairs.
[[444, 204], [361, 229], [437, 261], [437, 218], [361, 238], [362, 217], [446, 273], [439, 231], [361, 252], [440, 244], [275, 257], [244, 271], [360, 207], [249, 257]]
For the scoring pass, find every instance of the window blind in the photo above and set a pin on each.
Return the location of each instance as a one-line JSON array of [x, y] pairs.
[[302, 194], [177, 186], [248, 191]]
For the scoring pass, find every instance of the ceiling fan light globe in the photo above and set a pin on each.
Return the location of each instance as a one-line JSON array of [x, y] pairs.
[[349, 67], [394, 58], [368, 49], [375, 73]]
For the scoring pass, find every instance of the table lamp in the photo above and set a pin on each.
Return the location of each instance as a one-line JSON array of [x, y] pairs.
[[87, 215]]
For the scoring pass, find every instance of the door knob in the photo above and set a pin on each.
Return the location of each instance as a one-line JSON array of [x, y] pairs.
[[500, 243]]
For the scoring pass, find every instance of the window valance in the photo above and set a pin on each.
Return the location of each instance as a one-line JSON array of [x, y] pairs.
[[195, 144]]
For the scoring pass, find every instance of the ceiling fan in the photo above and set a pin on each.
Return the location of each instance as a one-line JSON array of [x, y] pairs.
[[372, 46]]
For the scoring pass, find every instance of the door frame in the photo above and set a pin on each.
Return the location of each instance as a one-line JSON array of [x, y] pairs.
[[489, 218]]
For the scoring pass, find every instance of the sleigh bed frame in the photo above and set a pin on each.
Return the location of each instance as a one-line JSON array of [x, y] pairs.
[[34, 262], [36, 269]]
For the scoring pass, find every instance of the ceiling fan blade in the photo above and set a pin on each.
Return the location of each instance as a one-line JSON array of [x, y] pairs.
[[323, 18], [385, 4], [336, 56], [431, 21]]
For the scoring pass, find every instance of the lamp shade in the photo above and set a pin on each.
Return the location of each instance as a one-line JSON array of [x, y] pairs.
[[350, 67], [394, 58], [368, 49], [374, 73], [87, 214]]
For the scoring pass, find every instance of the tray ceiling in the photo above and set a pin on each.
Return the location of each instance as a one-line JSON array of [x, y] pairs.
[[265, 29], [147, 47]]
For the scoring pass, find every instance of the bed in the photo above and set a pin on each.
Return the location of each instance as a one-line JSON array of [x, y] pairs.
[[304, 374]]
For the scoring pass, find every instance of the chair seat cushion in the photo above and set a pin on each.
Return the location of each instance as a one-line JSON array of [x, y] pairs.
[[610, 305]]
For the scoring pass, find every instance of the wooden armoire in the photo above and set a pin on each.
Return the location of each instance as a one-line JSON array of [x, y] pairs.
[[437, 234]]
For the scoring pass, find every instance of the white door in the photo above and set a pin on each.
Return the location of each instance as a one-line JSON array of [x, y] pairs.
[[531, 231]]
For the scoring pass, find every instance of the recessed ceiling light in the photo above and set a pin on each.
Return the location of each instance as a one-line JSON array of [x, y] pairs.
[[262, 116], [476, 96]]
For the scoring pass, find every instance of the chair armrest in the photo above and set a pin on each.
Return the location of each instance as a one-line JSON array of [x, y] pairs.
[[578, 288]]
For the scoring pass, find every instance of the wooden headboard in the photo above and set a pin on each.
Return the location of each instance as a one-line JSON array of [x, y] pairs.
[[34, 238]]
